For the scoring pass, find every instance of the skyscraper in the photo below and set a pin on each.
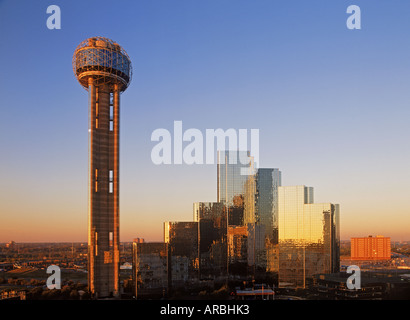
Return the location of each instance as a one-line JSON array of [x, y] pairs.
[[236, 186], [266, 212], [309, 241], [212, 239], [104, 69], [238, 250], [236, 191], [182, 240], [150, 268]]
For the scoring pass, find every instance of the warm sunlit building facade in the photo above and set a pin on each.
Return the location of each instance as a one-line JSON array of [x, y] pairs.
[[236, 187], [104, 69], [238, 244], [251, 198], [246, 245], [370, 248], [309, 240]]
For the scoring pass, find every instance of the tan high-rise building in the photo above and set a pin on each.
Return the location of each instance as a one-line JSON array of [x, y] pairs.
[[103, 68], [370, 248]]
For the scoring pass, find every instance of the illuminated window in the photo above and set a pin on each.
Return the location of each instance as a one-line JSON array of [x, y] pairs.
[[96, 243], [96, 180], [110, 181], [107, 257], [111, 118]]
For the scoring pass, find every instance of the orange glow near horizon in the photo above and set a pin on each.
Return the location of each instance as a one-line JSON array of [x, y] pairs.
[[73, 228]]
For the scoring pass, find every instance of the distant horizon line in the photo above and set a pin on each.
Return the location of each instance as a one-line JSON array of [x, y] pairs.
[[130, 241]]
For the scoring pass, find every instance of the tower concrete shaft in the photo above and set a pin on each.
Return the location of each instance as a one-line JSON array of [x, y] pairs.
[[104, 69], [103, 211]]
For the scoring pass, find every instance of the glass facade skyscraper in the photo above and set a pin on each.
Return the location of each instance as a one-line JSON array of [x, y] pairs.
[[150, 268], [182, 240], [309, 240], [212, 239], [257, 231], [266, 212], [236, 186], [251, 199]]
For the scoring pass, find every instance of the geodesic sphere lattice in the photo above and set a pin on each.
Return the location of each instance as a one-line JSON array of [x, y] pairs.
[[103, 60]]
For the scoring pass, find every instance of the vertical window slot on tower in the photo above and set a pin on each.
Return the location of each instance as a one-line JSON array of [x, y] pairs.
[[96, 115], [96, 180], [96, 108], [111, 238], [110, 181], [96, 243], [111, 118]]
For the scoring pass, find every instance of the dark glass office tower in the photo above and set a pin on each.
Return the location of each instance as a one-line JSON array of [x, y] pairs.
[[266, 212], [150, 269], [212, 239], [183, 264]]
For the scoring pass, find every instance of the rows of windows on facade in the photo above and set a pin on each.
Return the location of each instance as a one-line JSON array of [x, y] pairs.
[[257, 230]]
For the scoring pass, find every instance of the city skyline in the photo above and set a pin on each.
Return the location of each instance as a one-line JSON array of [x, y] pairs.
[[257, 230], [331, 106]]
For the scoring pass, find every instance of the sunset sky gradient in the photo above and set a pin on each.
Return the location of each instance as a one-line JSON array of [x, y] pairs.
[[332, 106]]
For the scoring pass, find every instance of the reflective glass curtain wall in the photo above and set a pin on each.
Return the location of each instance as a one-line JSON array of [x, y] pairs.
[[266, 217], [150, 268], [236, 186], [309, 238], [182, 240], [212, 239], [236, 189]]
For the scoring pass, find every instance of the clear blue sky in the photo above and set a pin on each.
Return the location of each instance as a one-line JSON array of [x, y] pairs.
[[331, 104]]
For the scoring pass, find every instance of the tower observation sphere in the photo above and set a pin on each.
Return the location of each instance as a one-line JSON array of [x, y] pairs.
[[104, 69], [103, 60]]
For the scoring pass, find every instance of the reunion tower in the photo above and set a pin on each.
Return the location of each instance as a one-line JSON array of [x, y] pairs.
[[104, 69]]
